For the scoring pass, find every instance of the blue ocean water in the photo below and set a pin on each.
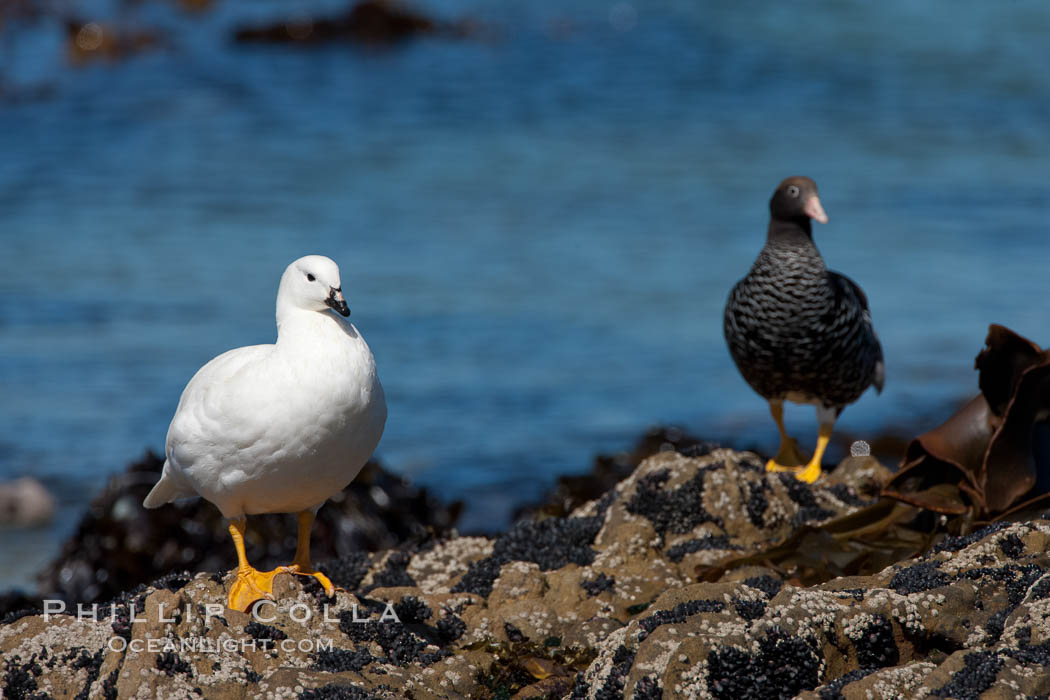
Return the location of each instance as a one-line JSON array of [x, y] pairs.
[[537, 228]]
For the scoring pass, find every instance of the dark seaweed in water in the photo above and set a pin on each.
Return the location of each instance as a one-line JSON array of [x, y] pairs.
[[367, 21]]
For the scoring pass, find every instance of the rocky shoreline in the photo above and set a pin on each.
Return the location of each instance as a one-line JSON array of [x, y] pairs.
[[629, 595]]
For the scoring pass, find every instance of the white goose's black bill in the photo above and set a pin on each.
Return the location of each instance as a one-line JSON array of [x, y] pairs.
[[336, 301]]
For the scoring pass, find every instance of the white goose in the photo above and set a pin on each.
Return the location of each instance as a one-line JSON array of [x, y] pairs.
[[279, 428]]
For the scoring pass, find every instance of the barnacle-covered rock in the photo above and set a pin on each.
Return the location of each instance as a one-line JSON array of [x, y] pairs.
[[974, 614], [523, 612], [695, 577]]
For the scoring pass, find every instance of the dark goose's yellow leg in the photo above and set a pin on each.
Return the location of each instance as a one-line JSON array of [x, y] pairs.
[[812, 471], [250, 585], [788, 458], [301, 564]]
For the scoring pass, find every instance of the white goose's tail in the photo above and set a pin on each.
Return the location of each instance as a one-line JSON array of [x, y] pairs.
[[165, 491]]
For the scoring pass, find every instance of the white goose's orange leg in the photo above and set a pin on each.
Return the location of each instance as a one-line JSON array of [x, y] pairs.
[[789, 458], [251, 584], [301, 563]]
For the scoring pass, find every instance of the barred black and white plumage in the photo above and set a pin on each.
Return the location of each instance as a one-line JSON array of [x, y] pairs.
[[796, 330]]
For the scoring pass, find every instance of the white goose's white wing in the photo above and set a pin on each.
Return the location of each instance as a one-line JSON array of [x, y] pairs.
[[204, 430]]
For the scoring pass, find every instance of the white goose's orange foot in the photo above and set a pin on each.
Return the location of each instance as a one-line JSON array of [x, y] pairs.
[[251, 585], [300, 570]]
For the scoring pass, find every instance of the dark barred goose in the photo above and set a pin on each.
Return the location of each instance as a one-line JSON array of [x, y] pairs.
[[797, 330]]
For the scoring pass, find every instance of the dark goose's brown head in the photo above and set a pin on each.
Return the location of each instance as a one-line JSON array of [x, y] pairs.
[[796, 200]]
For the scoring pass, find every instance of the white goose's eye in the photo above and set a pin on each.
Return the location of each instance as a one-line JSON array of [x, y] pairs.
[[793, 190], [309, 277]]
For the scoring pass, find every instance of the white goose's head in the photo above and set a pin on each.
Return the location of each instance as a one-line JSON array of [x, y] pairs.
[[312, 283]]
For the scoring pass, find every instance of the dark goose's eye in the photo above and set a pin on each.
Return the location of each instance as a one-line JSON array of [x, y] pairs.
[[793, 190], [309, 277]]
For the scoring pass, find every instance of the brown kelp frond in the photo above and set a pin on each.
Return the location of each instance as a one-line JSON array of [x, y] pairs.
[[863, 542], [987, 449]]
